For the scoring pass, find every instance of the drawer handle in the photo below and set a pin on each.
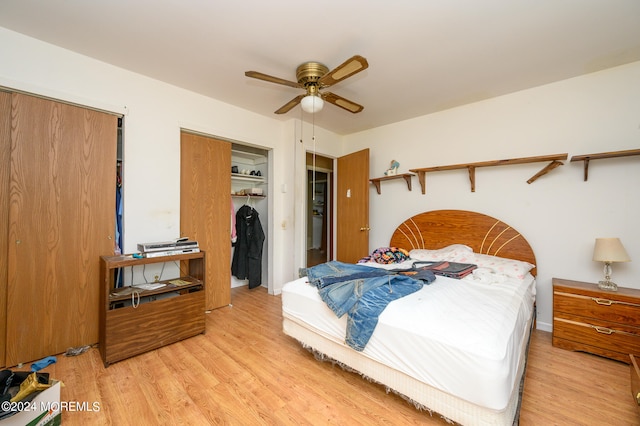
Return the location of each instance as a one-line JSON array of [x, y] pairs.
[[603, 330], [604, 302], [638, 398]]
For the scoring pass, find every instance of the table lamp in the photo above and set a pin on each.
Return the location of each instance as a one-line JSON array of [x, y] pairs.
[[609, 250]]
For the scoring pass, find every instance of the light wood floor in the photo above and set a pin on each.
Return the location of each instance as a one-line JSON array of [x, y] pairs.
[[245, 371]]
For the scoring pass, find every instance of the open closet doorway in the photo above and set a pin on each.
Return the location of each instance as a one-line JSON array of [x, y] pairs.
[[319, 209]]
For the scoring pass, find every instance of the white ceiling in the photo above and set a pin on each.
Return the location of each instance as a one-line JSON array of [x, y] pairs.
[[424, 55]]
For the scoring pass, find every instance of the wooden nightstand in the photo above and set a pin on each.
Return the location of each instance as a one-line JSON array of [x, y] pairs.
[[588, 319]]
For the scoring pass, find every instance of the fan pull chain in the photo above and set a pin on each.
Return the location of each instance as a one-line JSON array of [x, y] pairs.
[[313, 139]]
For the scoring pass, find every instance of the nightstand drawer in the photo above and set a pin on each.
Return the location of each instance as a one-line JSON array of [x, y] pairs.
[[604, 308], [600, 334]]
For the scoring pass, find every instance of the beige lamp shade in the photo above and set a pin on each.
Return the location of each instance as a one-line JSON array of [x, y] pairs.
[[610, 250]]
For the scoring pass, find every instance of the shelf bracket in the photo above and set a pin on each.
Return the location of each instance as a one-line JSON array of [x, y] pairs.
[[552, 165], [407, 179], [472, 177], [376, 183], [422, 178]]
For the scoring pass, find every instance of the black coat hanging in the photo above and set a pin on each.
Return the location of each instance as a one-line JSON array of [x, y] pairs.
[[247, 257]]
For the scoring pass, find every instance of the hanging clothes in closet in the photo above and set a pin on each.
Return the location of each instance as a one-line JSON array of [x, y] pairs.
[[234, 236], [119, 280], [247, 257]]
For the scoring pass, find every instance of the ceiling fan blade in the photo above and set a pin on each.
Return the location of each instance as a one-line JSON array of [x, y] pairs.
[[287, 107], [341, 102], [271, 79], [348, 68]]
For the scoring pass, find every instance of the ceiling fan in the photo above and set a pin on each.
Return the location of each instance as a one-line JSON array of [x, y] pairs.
[[313, 77]]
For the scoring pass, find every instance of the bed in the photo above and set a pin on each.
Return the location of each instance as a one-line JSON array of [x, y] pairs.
[[457, 347]]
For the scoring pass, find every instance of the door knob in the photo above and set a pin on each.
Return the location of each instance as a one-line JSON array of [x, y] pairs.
[[365, 229]]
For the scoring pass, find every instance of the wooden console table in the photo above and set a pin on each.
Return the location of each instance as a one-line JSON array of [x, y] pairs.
[[134, 320]]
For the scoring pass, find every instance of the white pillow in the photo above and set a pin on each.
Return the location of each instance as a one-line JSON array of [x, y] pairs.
[[401, 265], [453, 253], [500, 265]]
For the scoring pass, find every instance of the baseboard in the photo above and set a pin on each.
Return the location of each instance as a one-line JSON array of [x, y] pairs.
[[544, 326]]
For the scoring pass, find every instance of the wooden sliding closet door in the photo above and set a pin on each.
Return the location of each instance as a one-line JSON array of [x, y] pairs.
[[61, 219], [205, 209], [5, 150]]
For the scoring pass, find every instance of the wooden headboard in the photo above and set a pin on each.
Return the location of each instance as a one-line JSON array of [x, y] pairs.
[[484, 234]]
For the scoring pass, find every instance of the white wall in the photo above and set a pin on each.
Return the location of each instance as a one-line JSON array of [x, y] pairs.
[[154, 114], [559, 214]]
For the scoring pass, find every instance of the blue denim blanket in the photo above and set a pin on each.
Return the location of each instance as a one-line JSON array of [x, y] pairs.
[[362, 292]]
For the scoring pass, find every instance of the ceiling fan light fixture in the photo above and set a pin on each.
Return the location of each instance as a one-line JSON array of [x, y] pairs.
[[313, 76], [312, 104]]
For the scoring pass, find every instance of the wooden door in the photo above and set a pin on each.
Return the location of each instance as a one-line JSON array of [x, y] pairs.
[[352, 200], [5, 150], [205, 209], [61, 220]]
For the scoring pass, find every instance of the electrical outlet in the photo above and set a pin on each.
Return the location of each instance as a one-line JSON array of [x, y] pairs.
[[156, 278]]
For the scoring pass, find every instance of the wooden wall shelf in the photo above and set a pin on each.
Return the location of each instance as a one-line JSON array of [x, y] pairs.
[[405, 176], [554, 161], [612, 154]]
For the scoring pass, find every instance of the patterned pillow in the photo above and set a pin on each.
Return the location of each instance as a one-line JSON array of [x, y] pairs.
[[500, 265], [386, 255]]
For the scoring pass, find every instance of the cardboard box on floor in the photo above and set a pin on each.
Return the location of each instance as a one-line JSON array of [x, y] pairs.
[[44, 409]]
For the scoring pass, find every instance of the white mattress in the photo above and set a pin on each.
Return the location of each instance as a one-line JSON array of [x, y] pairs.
[[463, 337]]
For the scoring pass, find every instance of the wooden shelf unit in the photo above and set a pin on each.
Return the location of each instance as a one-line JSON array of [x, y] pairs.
[[160, 317], [405, 176], [612, 154], [250, 162], [554, 161]]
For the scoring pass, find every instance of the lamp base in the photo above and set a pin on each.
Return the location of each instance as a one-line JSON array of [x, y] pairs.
[[608, 285]]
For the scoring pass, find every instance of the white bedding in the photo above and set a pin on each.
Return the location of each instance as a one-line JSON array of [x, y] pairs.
[[464, 337]]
